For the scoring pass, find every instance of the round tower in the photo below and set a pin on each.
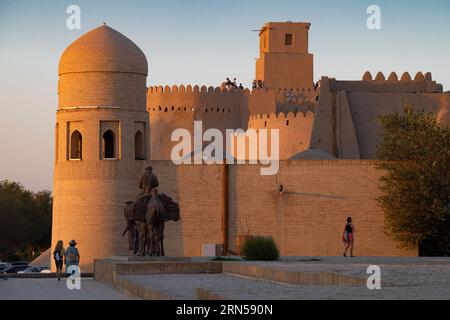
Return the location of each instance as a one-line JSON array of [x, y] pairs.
[[102, 134]]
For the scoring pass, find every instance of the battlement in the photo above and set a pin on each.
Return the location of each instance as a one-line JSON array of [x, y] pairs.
[[393, 77], [210, 90], [295, 121], [195, 98], [282, 117], [283, 92], [265, 100], [422, 83], [291, 126], [192, 89]]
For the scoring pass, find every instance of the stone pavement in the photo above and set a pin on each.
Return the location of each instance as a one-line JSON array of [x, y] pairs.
[[401, 278], [51, 289], [408, 278]]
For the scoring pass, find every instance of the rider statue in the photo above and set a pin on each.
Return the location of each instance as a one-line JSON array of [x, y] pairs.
[[148, 181]]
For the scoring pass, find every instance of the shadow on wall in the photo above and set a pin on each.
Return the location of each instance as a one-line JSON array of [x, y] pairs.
[[168, 179], [238, 229]]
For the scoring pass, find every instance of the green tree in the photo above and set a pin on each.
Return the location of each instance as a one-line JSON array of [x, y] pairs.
[[416, 189], [25, 222]]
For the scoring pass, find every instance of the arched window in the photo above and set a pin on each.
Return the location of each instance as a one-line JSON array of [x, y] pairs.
[[139, 152], [76, 145], [109, 151]]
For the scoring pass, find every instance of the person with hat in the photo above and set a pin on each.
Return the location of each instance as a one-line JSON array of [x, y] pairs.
[[148, 181], [72, 256]]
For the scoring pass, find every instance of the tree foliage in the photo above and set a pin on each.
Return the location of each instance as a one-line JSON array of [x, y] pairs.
[[25, 222], [416, 189]]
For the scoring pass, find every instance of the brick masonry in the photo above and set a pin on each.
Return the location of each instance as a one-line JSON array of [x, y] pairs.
[[306, 219]]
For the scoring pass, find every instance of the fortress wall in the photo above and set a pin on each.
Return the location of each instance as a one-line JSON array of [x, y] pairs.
[[193, 97], [391, 84], [308, 218], [365, 107], [355, 135], [294, 130], [261, 101], [162, 124], [266, 100], [178, 107], [198, 190], [125, 90]]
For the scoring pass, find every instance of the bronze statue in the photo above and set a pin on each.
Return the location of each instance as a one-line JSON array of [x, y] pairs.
[[141, 234], [148, 181], [128, 214], [155, 219], [146, 217]]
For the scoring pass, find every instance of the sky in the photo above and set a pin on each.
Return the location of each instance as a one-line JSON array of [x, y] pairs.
[[196, 42]]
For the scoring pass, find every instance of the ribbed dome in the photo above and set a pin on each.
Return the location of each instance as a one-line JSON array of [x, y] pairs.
[[103, 49]]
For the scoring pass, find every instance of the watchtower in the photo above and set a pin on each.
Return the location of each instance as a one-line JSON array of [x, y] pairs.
[[284, 60]]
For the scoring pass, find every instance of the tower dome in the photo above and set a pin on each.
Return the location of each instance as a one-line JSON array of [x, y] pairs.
[[103, 68], [103, 49]]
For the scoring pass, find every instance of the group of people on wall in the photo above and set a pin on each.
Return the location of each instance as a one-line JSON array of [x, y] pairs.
[[233, 85], [257, 84]]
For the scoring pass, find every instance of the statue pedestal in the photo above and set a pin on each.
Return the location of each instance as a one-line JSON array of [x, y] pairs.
[[110, 270], [132, 258]]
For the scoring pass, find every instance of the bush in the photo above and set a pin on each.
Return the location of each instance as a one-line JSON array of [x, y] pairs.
[[260, 248]]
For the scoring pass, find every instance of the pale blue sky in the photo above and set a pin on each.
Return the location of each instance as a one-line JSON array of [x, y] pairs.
[[196, 42]]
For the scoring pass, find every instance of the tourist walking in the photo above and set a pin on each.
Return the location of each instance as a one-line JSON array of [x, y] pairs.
[[58, 255], [72, 255], [348, 237]]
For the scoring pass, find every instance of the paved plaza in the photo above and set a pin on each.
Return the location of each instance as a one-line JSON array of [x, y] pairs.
[[401, 278], [51, 289]]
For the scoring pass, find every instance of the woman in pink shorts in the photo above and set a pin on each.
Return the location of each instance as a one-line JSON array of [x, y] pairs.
[[348, 237]]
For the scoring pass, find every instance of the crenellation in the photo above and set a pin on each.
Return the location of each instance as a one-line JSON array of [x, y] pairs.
[[367, 76], [419, 76], [380, 76], [406, 76], [393, 76]]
